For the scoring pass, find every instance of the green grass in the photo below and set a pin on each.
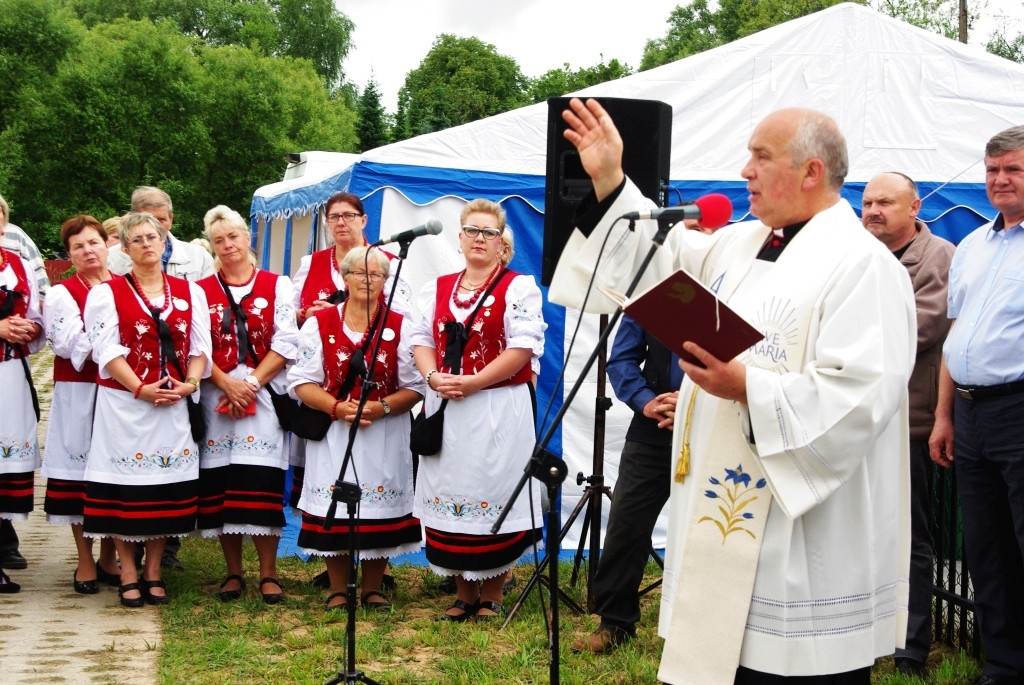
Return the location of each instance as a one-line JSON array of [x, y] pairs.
[[207, 642]]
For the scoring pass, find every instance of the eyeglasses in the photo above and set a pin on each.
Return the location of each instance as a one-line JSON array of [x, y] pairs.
[[348, 217], [146, 239], [487, 233], [374, 276]]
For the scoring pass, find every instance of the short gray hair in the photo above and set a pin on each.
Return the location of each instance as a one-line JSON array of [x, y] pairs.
[[818, 136], [134, 219], [1010, 140], [151, 197], [357, 255]]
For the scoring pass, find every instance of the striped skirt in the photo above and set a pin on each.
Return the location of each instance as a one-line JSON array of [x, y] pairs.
[[460, 552], [65, 499], [16, 496], [140, 512], [375, 538], [241, 498]]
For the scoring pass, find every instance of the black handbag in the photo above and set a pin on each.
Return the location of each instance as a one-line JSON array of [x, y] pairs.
[[196, 417], [427, 432]]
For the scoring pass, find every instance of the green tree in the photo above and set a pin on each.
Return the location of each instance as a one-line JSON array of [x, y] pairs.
[[372, 128], [937, 16], [460, 80], [137, 104], [558, 82], [317, 31], [1011, 49], [695, 27]]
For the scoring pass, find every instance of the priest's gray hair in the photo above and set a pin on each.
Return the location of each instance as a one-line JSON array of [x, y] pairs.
[[818, 136]]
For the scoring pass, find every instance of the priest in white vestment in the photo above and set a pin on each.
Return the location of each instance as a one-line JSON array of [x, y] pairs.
[[788, 548]]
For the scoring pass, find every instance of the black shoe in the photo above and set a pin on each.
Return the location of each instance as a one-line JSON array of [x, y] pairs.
[[468, 610], [84, 587], [447, 586], [490, 606], [8, 586], [271, 597], [170, 560], [910, 667], [230, 595], [134, 603], [107, 577], [150, 598], [321, 580], [509, 585], [388, 585], [13, 560]]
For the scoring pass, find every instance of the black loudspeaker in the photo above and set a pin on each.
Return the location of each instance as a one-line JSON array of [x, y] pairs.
[[646, 130]]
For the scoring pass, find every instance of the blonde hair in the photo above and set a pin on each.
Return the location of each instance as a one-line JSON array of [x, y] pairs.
[[509, 246], [221, 218]]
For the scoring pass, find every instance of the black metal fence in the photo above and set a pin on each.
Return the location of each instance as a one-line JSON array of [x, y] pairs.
[[955, 620]]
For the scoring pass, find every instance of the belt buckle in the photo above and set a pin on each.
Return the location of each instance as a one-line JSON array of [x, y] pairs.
[[965, 393]]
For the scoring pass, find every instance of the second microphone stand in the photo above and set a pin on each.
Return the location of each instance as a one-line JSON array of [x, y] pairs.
[[350, 494], [541, 460]]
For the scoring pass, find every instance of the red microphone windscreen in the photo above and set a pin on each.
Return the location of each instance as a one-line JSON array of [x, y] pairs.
[[715, 210]]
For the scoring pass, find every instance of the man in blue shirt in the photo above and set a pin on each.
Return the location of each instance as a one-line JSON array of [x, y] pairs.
[[979, 420], [646, 376]]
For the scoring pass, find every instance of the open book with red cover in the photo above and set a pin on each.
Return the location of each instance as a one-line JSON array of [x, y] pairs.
[[681, 308]]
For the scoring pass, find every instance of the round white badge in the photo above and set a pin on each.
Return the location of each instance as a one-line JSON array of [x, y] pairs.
[[180, 304], [489, 301], [260, 303], [387, 334]]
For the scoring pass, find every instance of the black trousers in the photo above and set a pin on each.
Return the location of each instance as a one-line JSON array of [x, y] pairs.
[[745, 676], [988, 452], [641, 491], [8, 537], [919, 622]]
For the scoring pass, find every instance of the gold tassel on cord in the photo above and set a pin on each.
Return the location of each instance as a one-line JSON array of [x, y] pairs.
[[683, 465]]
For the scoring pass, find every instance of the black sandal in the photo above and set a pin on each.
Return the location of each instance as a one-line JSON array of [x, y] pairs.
[[382, 605], [8, 586], [272, 597], [468, 610], [331, 607], [229, 595], [490, 606], [131, 603], [148, 585]]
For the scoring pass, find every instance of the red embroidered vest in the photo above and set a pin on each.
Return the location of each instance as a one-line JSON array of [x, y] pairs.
[[486, 337], [338, 349], [20, 303], [258, 306], [63, 369], [139, 332]]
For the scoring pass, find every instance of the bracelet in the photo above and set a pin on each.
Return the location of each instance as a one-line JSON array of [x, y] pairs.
[[427, 377], [138, 390], [334, 410]]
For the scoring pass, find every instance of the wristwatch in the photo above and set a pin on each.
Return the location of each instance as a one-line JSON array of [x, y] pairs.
[[253, 382], [387, 407]]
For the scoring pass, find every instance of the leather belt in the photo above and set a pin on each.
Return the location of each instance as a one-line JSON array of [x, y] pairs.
[[987, 392]]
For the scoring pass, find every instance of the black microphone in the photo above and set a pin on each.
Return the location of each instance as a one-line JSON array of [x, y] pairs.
[[712, 211], [432, 227]]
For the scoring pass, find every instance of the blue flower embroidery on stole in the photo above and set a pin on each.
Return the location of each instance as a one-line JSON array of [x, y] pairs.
[[737, 496]]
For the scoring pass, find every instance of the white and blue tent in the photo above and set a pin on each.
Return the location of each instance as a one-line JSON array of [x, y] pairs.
[[906, 99]]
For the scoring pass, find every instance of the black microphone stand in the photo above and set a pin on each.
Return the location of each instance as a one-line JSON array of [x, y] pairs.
[[543, 466], [350, 494]]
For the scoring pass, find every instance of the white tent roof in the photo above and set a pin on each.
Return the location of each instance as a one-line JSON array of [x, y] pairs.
[[905, 98]]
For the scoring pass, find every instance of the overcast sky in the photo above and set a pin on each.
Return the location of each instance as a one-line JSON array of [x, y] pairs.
[[393, 36]]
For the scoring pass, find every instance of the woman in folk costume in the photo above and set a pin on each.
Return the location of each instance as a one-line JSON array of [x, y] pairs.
[[333, 360], [245, 458], [489, 430], [21, 334], [143, 467], [69, 432]]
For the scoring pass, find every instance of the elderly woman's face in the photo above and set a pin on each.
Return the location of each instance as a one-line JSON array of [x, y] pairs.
[[366, 281], [145, 243], [88, 251], [229, 243], [346, 224]]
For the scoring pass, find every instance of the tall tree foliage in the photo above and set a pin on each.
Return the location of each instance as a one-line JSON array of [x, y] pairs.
[[1010, 48], [134, 103], [937, 16], [309, 29], [558, 82], [460, 80], [372, 129]]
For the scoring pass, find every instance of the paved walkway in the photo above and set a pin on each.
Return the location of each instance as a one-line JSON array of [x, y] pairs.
[[51, 634]]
